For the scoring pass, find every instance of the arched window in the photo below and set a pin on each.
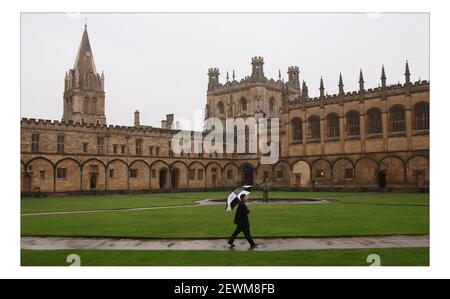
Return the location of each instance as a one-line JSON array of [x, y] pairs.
[[374, 124], [333, 125], [272, 105], [314, 127], [353, 123], [94, 106], [221, 108], [86, 105], [422, 116], [243, 104], [297, 130], [397, 116]]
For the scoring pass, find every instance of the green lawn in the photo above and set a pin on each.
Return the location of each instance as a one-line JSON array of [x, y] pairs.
[[330, 219], [108, 202], [345, 257]]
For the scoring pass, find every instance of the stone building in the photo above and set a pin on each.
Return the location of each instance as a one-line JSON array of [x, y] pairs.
[[376, 138]]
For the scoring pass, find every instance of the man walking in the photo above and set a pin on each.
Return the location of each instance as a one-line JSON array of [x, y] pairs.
[[242, 223]]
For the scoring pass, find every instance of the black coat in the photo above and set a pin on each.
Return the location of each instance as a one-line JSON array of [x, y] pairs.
[[241, 217]]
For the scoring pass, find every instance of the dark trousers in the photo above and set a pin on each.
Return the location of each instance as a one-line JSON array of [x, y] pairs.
[[246, 230]]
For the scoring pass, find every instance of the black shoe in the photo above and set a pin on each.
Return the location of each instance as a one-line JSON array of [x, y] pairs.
[[231, 244], [254, 246]]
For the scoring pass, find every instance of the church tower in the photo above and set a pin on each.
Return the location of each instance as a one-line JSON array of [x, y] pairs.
[[84, 93]]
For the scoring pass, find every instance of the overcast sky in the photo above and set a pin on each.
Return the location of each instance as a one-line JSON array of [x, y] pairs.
[[158, 63]]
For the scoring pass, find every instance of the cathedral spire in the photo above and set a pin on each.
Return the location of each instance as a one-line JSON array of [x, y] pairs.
[[84, 62]]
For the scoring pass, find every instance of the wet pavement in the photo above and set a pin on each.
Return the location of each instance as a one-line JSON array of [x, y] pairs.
[[265, 244]]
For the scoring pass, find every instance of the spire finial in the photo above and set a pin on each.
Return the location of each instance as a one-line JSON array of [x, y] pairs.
[[228, 77], [279, 74], [361, 81], [234, 76], [407, 73], [322, 88], [85, 23], [341, 85], [383, 76]]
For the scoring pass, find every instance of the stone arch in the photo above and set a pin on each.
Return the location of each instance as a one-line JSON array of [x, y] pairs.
[[73, 172], [182, 176], [366, 170], [159, 173], [418, 171], [213, 175], [118, 179], [34, 170], [197, 167], [139, 175], [342, 168], [282, 174], [301, 174], [394, 168], [233, 169], [93, 175], [321, 172]]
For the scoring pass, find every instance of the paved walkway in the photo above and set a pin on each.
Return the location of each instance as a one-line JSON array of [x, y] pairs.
[[198, 203], [266, 244]]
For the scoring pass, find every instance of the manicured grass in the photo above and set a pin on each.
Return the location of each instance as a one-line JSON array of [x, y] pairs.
[[106, 202], [330, 219], [343, 257]]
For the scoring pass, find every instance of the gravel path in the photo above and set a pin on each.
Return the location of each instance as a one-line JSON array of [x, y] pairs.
[[266, 244]]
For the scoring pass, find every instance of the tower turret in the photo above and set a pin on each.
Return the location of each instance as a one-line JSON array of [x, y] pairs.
[[257, 69], [341, 85], [294, 80], [213, 78]]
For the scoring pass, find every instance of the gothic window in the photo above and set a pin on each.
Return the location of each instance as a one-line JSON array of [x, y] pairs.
[[42, 175], [191, 174], [397, 116], [61, 173], [374, 125], [229, 174], [86, 106], [320, 174], [114, 149], [243, 104], [124, 147], [138, 147], [297, 130], [272, 105], [349, 174], [314, 127], [111, 173], [333, 125], [133, 173], [60, 144], [34, 143], [100, 145], [94, 106], [85, 147], [353, 123], [221, 108], [200, 174], [421, 116]]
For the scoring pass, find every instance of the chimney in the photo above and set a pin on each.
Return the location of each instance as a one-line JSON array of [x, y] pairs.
[[137, 121]]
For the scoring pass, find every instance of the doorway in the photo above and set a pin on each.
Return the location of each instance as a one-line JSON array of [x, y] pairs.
[[381, 179], [27, 183], [248, 175], [162, 178], [298, 180], [175, 178], [93, 182]]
